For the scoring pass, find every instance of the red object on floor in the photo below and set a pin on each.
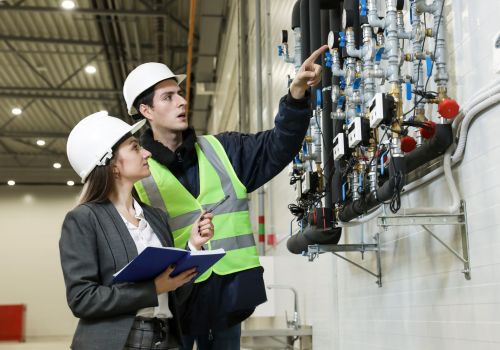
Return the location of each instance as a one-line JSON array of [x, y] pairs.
[[12, 322]]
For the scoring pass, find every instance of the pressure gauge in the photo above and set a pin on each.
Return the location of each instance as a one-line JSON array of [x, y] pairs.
[[331, 40]]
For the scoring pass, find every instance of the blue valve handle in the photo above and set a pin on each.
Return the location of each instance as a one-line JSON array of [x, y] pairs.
[[378, 54], [342, 39], [342, 83], [319, 97], [280, 50], [428, 65], [304, 148], [358, 109], [363, 8], [328, 59], [340, 101], [344, 185], [356, 83], [360, 188], [408, 90]]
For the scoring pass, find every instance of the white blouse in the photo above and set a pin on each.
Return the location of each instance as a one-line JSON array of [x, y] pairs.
[[144, 236]]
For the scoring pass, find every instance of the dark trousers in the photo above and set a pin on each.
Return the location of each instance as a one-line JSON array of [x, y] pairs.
[[227, 339], [151, 333]]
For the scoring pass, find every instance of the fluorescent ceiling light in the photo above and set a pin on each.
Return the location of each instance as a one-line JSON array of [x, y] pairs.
[[90, 69], [68, 4]]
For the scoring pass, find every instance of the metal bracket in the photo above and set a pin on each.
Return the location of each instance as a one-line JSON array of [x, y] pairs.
[[313, 251], [437, 219]]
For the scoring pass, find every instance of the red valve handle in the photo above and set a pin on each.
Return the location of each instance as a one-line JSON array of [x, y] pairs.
[[448, 108], [408, 144], [428, 130]]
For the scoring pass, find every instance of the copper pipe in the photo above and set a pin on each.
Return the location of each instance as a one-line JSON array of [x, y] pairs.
[[192, 15]]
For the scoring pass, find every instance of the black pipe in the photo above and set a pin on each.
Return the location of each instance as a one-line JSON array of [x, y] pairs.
[[431, 149], [399, 167], [384, 193], [296, 15], [304, 30], [337, 125], [326, 124], [297, 244], [351, 8]]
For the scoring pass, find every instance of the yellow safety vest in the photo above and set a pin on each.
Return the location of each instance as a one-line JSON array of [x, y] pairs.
[[232, 231]]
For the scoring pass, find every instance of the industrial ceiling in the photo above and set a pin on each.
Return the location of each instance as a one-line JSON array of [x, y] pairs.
[[58, 65]]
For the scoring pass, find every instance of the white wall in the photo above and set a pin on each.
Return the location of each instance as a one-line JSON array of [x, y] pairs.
[[30, 270], [425, 302]]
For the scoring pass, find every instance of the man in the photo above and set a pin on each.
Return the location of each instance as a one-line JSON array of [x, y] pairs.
[[191, 173]]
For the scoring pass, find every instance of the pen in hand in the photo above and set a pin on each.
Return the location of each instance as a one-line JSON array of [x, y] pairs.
[[216, 205]]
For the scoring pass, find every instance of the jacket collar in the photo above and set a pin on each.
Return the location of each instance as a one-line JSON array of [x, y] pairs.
[[184, 156]]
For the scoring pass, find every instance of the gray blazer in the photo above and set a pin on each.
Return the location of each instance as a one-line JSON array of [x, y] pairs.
[[94, 244]]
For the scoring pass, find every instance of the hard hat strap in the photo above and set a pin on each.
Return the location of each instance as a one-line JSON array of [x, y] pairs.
[[107, 156]]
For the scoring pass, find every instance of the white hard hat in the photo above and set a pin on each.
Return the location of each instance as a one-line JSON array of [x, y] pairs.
[[91, 141], [142, 78]]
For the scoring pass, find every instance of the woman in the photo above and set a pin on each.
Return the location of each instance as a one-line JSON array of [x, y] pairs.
[[108, 229]]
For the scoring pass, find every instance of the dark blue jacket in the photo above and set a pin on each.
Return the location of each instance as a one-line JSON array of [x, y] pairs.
[[223, 301]]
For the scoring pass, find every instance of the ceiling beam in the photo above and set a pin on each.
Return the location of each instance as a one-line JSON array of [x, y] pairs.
[[77, 42], [34, 89], [33, 134], [21, 95], [97, 12], [86, 11]]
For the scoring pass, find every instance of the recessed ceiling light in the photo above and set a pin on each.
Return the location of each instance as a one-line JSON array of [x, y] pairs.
[[90, 69], [70, 183], [11, 182], [16, 111], [40, 142], [57, 165], [68, 4]]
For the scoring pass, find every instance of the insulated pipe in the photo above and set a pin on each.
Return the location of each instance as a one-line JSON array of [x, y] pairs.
[[297, 244], [315, 35], [362, 220], [260, 116], [433, 148], [326, 123], [296, 15], [336, 179], [385, 192], [304, 29], [297, 34], [351, 8]]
